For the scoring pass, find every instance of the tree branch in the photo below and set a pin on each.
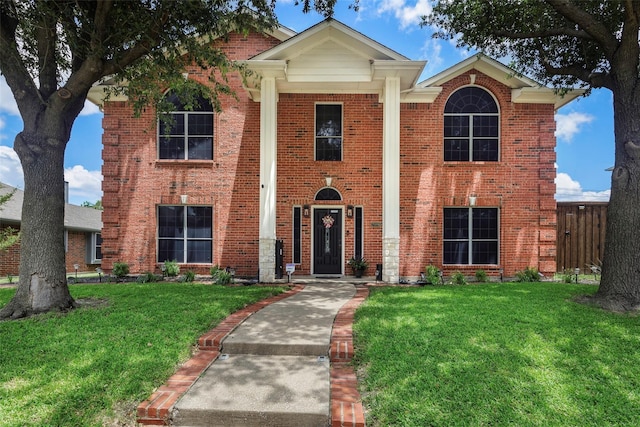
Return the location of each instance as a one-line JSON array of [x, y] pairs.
[[588, 23], [630, 63], [101, 17], [46, 38], [129, 56], [11, 64], [544, 33]]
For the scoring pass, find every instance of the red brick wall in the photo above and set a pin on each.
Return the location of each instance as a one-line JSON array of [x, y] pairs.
[[135, 182], [358, 177], [10, 258], [76, 254], [521, 185]]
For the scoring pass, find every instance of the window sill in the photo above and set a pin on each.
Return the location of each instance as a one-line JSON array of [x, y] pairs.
[[468, 163], [182, 163]]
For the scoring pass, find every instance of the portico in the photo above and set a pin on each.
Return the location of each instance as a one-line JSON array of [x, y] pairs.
[[331, 58]]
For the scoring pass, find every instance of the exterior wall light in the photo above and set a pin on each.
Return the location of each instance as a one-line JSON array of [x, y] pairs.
[[306, 211], [349, 211]]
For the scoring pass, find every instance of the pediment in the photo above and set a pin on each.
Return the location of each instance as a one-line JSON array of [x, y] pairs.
[[334, 31], [332, 58]]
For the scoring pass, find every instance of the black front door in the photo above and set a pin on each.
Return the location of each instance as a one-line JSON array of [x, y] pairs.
[[327, 241]]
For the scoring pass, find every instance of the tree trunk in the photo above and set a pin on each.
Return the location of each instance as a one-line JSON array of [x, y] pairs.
[[43, 285], [620, 283]]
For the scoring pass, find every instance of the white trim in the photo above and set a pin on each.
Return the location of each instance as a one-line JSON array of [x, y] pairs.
[[471, 115], [94, 246], [315, 137]]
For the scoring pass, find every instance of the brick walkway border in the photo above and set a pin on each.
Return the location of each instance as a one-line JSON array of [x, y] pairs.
[[346, 405], [155, 411]]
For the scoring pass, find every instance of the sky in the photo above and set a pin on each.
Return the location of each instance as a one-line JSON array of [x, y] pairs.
[[584, 127]]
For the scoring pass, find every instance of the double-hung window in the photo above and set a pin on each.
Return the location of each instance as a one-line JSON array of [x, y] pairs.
[[471, 123], [186, 135], [470, 236], [329, 132], [185, 234], [96, 248]]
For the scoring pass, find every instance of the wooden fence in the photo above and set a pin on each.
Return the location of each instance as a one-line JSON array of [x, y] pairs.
[[581, 230]]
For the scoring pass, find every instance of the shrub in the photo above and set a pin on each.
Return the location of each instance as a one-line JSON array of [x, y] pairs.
[[220, 276], [171, 268], [147, 277], [189, 276], [567, 277], [120, 269], [458, 278], [432, 274], [529, 274], [214, 270], [481, 276]]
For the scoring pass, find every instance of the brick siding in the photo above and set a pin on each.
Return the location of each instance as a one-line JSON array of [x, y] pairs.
[[521, 184], [76, 254]]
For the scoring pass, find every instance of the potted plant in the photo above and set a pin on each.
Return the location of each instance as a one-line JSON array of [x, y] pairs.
[[358, 265]]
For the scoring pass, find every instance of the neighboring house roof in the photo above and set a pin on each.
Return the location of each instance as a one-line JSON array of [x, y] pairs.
[[76, 218]]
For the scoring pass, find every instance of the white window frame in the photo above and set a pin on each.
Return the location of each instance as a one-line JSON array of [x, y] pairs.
[[315, 137]]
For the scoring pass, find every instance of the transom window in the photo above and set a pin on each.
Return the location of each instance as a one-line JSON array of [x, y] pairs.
[[328, 194], [471, 126], [329, 132], [470, 236], [185, 234], [186, 135]]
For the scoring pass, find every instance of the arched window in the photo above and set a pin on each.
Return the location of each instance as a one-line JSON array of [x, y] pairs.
[[186, 135], [471, 123], [328, 194]]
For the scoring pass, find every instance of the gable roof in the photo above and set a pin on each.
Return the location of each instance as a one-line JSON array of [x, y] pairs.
[[331, 57], [76, 218], [523, 89]]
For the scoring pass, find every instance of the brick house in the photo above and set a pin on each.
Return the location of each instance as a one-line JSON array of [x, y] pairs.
[[335, 149], [82, 239]]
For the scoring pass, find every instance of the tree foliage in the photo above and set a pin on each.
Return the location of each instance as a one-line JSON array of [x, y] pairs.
[[53, 51], [564, 43], [9, 236]]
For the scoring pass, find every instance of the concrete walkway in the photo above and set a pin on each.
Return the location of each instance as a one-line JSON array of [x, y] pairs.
[[282, 362]]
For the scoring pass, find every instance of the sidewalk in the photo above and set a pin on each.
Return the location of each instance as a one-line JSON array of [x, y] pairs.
[[280, 362]]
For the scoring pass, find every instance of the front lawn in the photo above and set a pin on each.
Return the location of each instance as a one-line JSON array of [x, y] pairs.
[[92, 366], [496, 355]]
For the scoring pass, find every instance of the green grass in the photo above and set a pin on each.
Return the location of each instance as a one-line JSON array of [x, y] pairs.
[[496, 355], [92, 366]]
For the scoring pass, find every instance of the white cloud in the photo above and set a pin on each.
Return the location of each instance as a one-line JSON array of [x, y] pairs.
[[569, 190], [84, 185], [10, 167], [407, 15], [2, 125], [568, 125], [90, 108], [8, 102], [431, 51]]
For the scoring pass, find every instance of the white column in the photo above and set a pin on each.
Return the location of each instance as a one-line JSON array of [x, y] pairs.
[[268, 178], [391, 181]]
